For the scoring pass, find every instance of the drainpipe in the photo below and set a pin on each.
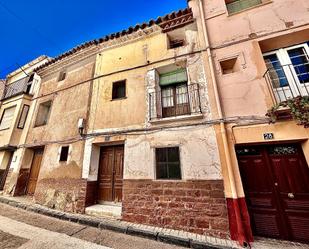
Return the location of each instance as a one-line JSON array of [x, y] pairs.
[[240, 229]]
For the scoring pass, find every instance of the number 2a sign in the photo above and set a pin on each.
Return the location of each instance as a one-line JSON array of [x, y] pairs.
[[268, 136]]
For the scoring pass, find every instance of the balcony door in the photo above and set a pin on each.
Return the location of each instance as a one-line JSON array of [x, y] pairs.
[[289, 71], [175, 100]]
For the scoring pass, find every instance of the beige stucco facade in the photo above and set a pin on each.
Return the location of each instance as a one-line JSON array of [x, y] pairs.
[[137, 61], [11, 136]]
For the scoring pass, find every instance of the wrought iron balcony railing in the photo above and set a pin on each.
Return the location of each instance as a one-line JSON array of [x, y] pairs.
[[174, 101], [18, 87], [288, 81]]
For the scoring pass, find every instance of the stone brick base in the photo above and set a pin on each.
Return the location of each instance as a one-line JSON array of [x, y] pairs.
[[8, 182], [63, 194], [193, 206]]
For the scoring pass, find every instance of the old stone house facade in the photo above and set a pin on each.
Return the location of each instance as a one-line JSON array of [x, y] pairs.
[[151, 155], [51, 164], [164, 123]]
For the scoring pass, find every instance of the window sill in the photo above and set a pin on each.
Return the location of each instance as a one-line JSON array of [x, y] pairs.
[[119, 99], [177, 118], [5, 129], [169, 180], [244, 10], [37, 126]]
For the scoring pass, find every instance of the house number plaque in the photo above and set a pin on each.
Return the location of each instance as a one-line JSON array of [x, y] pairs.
[[268, 136]]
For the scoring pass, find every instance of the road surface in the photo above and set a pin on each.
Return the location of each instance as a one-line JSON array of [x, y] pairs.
[[25, 230]]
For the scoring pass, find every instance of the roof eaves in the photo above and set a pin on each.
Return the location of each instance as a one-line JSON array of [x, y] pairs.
[[165, 22]]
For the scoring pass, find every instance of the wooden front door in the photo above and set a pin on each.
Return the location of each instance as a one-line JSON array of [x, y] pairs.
[[111, 174], [276, 184], [34, 171]]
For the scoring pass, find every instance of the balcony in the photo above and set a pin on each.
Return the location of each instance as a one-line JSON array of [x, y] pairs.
[[180, 100], [18, 87], [288, 81]]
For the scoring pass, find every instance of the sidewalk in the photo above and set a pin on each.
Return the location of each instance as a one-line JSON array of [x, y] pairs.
[[179, 238], [170, 236]]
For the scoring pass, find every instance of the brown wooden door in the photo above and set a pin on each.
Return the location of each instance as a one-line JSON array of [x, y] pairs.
[[276, 184], [111, 174], [34, 171]]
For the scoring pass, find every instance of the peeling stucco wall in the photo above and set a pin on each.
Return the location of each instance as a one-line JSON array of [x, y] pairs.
[[240, 35], [198, 153]]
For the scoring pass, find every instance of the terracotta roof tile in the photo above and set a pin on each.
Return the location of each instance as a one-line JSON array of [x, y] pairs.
[[175, 19]]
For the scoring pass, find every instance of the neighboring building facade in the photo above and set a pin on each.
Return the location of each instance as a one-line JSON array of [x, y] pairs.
[[260, 55], [20, 86], [50, 165]]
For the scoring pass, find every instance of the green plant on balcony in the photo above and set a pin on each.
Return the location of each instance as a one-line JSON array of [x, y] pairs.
[[298, 108]]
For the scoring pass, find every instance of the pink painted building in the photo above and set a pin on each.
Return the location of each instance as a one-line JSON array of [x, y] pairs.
[[258, 51]]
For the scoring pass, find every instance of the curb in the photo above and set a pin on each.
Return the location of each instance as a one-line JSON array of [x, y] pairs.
[[115, 226]]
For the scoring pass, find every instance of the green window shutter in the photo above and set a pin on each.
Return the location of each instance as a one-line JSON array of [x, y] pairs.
[[240, 5], [174, 77]]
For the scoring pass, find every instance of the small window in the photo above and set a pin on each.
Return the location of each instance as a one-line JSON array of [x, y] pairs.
[[176, 43], [7, 118], [168, 163], [23, 117], [119, 90], [62, 76], [64, 154], [43, 113], [229, 66], [234, 6]]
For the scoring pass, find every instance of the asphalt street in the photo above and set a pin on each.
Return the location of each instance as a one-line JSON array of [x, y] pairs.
[[26, 230]]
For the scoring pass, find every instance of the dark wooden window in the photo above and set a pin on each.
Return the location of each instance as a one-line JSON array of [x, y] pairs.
[[119, 89], [64, 154], [176, 43], [43, 113], [62, 75], [175, 100], [168, 163], [23, 117]]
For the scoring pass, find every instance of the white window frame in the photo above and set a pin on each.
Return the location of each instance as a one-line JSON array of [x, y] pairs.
[[8, 126], [294, 84]]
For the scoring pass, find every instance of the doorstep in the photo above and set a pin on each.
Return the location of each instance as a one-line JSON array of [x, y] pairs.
[[104, 210]]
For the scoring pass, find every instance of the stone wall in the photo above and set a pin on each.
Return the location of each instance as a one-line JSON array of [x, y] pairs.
[[193, 206], [63, 194]]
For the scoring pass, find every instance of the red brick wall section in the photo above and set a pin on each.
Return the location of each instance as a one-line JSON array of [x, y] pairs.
[[91, 194], [62, 194], [193, 206]]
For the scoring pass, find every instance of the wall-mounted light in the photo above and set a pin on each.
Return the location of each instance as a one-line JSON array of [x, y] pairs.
[[81, 126]]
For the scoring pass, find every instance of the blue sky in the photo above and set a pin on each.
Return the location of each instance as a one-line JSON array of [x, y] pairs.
[[32, 28]]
